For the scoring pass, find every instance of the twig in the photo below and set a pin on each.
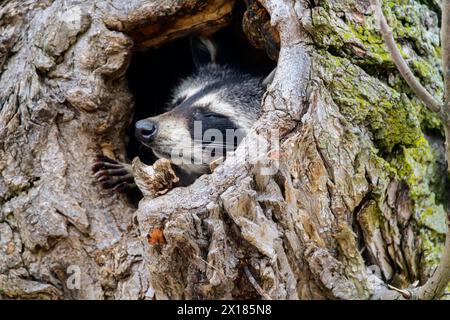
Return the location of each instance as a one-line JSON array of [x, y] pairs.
[[401, 64], [255, 284], [405, 293], [445, 42], [436, 284], [209, 264]]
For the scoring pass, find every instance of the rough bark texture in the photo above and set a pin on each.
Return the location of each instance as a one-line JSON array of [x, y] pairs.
[[360, 182]]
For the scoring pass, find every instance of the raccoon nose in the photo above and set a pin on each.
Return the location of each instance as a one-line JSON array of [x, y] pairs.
[[146, 130]]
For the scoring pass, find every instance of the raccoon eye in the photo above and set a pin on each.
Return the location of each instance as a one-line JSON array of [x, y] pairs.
[[202, 114], [212, 115]]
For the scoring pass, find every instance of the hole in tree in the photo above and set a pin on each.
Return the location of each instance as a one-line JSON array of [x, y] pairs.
[[154, 73]]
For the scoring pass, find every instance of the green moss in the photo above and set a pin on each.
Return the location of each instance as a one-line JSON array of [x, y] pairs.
[[432, 246], [359, 40], [396, 122], [416, 165], [430, 121], [362, 79], [390, 116], [350, 40]]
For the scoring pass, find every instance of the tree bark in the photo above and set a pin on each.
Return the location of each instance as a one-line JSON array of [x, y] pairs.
[[357, 200]]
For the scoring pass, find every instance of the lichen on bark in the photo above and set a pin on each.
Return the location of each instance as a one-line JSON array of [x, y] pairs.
[[362, 79]]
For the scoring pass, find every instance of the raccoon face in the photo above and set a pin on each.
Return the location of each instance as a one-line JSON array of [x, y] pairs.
[[209, 114]]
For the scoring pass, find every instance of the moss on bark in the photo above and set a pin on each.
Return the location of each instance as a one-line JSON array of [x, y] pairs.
[[359, 73]]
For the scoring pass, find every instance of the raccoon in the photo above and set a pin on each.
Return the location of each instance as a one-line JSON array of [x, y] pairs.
[[209, 114]]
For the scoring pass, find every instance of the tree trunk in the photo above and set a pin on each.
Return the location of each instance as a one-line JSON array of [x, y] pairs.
[[356, 201]]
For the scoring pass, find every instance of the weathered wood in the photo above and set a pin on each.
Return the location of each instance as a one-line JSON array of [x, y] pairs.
[[354, 168]]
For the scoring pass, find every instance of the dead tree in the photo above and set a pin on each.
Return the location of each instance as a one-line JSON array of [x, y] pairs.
[[356, 202]]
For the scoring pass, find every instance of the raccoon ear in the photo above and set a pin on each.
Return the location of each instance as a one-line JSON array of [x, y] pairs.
[[268, 80], [203, 51]]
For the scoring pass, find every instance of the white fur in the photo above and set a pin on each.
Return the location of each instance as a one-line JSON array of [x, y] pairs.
[[174, 143]]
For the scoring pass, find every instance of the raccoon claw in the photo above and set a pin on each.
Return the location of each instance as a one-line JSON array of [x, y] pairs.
[[113, 175], [101, 174], [105, 162], [124, 187]]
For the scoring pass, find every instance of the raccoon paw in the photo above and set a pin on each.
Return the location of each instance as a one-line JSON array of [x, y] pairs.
[[113, 175]]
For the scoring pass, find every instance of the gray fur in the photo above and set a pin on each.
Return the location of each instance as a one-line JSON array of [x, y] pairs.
[[241, 90], [234, 95]]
